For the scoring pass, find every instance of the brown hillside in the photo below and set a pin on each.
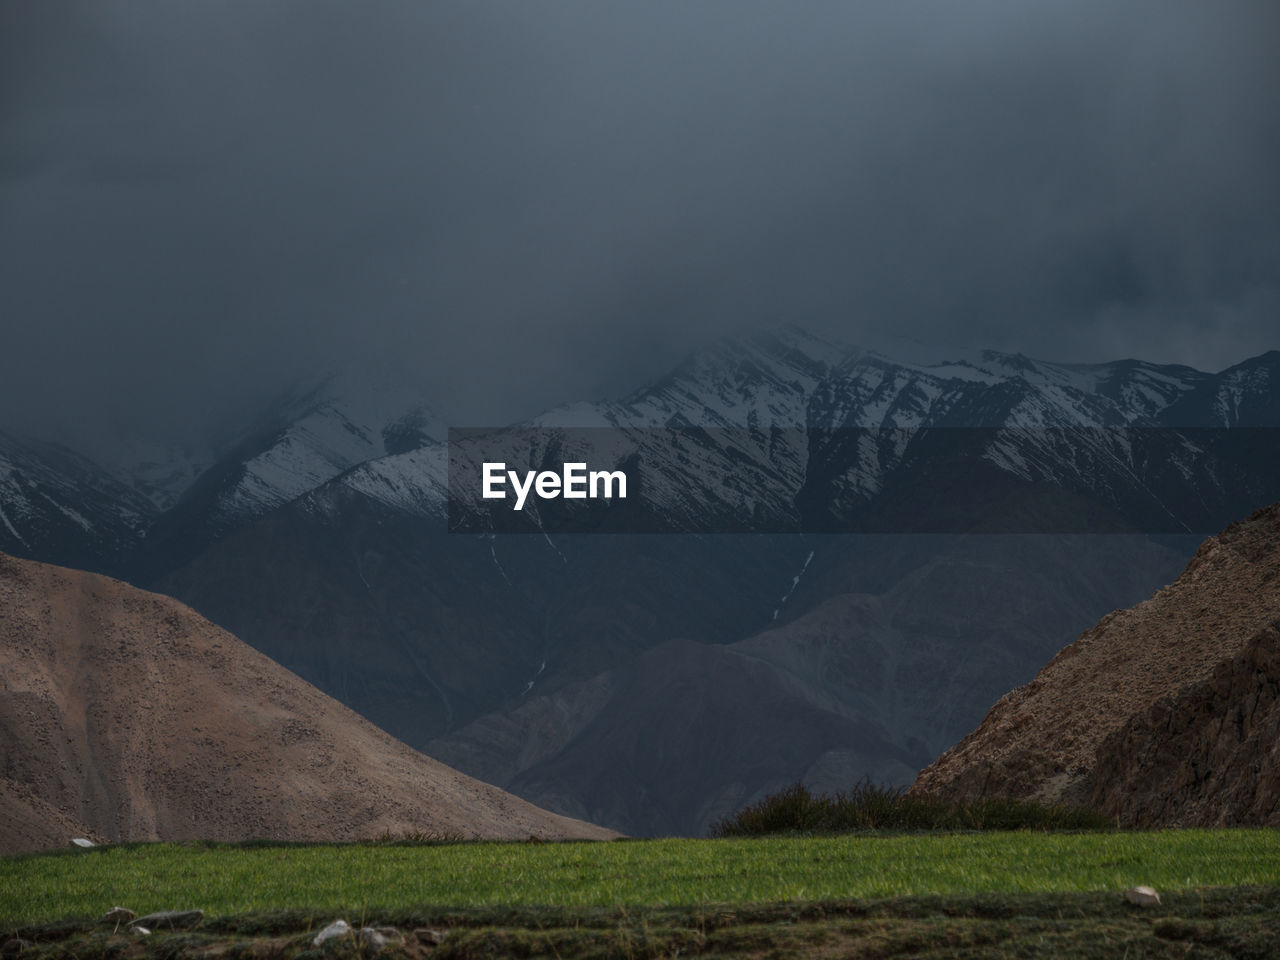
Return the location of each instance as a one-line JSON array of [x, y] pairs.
[[1159, 714], [29, 823], [134, 718]]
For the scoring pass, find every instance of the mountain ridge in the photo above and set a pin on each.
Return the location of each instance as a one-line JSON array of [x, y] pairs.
[[467, 644], [788, 379]]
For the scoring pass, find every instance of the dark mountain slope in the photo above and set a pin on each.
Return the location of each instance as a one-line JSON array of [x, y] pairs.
[[886, 651]]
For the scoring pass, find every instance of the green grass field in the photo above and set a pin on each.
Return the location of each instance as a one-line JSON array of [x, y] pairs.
[[228, 879], [631, 887]]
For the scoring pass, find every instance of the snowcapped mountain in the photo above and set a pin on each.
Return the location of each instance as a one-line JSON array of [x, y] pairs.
[[143, 505], [415, 482], [773, 432], [321, 538], [59, 506], [787, 432], [789, 378], [757, 382], [525, 659], [307, 438], [311, 438], [778, 425]]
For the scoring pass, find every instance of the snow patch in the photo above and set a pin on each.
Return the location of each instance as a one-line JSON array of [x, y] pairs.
[[12, 529], [69, 513]]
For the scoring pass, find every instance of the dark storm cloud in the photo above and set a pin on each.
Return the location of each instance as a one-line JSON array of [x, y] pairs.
[[534, 201]]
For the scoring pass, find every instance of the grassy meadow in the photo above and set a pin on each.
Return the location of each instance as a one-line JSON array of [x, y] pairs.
[[359, 878]]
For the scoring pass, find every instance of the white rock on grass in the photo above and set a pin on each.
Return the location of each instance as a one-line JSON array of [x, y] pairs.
[[1142, 896], [82, 842], [339, 928]]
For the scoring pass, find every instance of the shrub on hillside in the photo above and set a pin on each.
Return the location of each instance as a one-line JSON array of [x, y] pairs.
[[868, 807]]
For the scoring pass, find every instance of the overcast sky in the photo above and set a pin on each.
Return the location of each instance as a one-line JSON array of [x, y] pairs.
[[534, 200]]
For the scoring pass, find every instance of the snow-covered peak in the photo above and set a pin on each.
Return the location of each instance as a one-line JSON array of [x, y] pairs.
[[314, 434], [761, 426], [990, 388], [415, 482]]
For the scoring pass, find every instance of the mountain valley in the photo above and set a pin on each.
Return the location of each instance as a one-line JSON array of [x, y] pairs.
[[862, 555]]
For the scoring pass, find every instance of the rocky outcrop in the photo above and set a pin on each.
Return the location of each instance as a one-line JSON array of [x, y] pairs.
[[1161, 714], [1208, 756]]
